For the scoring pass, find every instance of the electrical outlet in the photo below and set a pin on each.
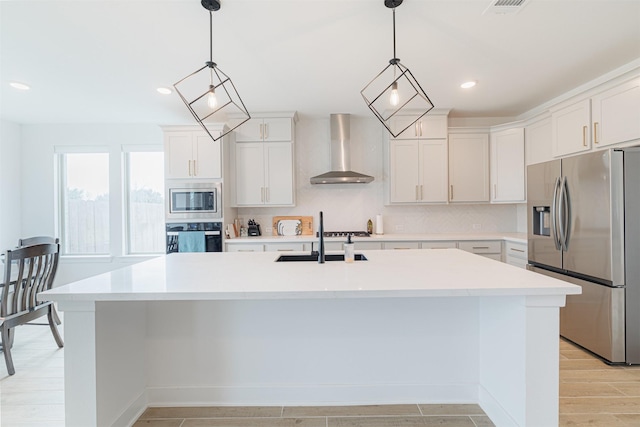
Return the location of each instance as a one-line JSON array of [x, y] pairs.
[[399, 227], [477, 226], [268, 231]]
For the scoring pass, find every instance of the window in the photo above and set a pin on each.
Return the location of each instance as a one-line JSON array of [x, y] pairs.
[[145, 202], [84, 203]]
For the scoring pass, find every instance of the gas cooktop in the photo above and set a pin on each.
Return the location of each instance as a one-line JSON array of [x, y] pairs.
[[344, 234]]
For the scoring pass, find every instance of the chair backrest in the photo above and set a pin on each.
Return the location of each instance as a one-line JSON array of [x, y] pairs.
[[33, 269], [37, 240]]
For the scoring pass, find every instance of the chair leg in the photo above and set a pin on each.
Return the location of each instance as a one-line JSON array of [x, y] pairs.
[[11, 333], [55, 315], [6, 349], [52, 324]]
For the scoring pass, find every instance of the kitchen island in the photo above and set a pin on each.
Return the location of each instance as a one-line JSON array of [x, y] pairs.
[[414, 326]]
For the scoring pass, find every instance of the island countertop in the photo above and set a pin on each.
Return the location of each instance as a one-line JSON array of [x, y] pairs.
[[241, 276]]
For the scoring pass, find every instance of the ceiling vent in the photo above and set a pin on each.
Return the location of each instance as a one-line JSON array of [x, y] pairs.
[[503, 7]]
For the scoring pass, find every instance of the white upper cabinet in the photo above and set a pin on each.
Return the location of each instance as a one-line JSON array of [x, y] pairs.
[[263, 154], [507, 166], [272, 129], [429, 126], [192, 154], [616, 114], [571, 130], [537, 137], [468, 168], [418, 171]]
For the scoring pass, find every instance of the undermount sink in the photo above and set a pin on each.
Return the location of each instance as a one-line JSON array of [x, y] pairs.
[[309, 257]]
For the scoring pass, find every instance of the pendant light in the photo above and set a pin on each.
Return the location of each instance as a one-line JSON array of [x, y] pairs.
[[208, 90], [395, 92]]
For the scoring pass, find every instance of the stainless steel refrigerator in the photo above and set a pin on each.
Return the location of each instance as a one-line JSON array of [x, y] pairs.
[[583, 216]]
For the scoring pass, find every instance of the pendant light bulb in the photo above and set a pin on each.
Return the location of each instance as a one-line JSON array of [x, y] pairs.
[[212, 100], [394, 99]]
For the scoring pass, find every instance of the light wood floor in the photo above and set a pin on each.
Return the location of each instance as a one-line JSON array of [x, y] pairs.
[[591, 393]]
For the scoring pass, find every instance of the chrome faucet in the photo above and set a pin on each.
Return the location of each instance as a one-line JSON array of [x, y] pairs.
[[321, 240]]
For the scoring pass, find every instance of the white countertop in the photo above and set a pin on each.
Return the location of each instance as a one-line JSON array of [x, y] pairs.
[[514, 237], [238, 276]]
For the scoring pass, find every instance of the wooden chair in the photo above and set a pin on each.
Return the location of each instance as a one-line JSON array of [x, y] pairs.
[[33, 269], [38, 240]]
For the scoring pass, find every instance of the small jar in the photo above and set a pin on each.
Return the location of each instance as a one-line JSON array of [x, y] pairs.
[[349, 250]]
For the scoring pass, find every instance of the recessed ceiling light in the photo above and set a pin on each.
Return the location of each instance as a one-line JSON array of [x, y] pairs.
[[18, 85], [467, 85], [164, 90]]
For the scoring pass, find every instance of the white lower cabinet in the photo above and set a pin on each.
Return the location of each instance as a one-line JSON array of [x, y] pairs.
[[245, 247], [401, 245], [367, 246], [439, 245], [486, 248], [516, 254], [284, 247]]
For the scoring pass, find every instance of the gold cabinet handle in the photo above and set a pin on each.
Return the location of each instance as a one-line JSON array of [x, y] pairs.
[[451, 192], [420, 127], [421, 193], [266, 131], [595, 132], [517, 250], [584, 136], [262, 194], [195, 169]]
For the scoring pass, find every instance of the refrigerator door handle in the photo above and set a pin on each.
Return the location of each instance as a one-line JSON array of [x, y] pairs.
[[554, 215], [566, 219]]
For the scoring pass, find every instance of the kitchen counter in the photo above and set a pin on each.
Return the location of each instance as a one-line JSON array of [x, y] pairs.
[[411, 327], [514, 237]]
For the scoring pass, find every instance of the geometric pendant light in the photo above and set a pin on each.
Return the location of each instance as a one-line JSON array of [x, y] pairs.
[[395, 91], [208, 91]]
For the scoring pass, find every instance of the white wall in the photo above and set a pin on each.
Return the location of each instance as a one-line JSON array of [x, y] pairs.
[[38, 208], [10, 210], [349, 206]]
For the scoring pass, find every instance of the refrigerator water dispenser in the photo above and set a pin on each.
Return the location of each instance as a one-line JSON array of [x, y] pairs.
[[541, 220]]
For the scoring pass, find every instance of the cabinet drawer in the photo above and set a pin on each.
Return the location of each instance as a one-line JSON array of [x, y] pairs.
[[481, 247], [439, 245], [245, 247], [516, 250], [367, 246], [284, 247], [401, 245]]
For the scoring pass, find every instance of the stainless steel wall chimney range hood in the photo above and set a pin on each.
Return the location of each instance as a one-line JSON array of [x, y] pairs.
[[341, 155]]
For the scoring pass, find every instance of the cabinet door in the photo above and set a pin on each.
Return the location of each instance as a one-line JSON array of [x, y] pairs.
[[278, 157], [403, 171], [438, 245], [207, 161], [538, 142], [507, 166], [250, 131], [571, 130], [178, 155], [433, 171], [469, 168], [277, 129], [616, 114], [250, 174], [427, 127]]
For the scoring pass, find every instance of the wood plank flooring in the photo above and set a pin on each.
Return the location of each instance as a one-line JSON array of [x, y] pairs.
[[591, 393]]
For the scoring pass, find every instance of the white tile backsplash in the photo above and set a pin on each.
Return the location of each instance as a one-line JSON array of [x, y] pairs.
[[349, 206]]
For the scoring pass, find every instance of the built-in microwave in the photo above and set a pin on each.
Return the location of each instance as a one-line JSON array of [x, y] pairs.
[[194, 201]]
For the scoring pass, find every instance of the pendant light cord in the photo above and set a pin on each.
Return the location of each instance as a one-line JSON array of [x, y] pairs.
[[394, 32], [211, 36]]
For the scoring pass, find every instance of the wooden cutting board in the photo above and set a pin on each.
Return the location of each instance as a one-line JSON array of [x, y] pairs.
[[306, 223]]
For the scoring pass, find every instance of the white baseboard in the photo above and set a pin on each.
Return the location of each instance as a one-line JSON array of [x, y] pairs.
[[494, 410]]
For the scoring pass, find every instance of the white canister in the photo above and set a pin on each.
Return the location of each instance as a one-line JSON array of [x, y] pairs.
[[379, 227]]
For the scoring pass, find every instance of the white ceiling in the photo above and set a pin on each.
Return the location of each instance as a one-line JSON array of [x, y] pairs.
[[101, 61]]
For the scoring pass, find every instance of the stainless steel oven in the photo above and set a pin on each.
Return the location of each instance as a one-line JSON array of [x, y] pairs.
[[194, 201], [183, 237]]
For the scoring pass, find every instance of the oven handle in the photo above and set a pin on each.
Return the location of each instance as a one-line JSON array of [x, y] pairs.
[[206, 233]]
